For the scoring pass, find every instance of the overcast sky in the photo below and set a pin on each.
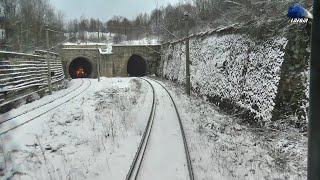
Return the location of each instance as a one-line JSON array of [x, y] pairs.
[[105, 9]]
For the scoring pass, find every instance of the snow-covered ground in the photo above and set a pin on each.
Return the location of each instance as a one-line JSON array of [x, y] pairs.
[[96, 135], [93, 36], [84, 43], [106, 48], [164, 157], [144, 41], [107, 38], [221, 149]]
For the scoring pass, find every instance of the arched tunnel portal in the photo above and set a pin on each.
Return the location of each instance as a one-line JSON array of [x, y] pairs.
[[80, 67], [136, 66]]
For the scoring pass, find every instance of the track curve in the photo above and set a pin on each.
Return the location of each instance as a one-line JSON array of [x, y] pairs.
[[190, 169], [135, 166], [136, 163]]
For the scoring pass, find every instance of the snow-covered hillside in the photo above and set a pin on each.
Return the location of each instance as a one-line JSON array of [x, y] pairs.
[[92, 36], [144, 41], [108, 38]]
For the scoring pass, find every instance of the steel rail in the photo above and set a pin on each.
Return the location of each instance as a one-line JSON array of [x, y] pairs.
[[137, 161], [186, 149], [27, 111], [15, 127], [45, 88]]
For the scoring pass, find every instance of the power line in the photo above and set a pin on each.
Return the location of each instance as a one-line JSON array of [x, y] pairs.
[[61, 43], [170, 32]]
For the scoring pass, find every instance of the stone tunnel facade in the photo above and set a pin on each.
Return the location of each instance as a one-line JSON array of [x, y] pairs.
[[114, 64]]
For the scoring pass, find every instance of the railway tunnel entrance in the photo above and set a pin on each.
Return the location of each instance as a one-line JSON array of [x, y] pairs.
[[80, 68], [137, 66]]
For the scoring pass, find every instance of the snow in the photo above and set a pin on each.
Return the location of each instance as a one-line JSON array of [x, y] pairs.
[[20, 69], [106, 48], [306, 85], [107, 38], [84, 43], [164, 157], [93, 136], [90, 36], [5, 88], [144, 41], [45, 52], [222, 149], [96, 135], [232, 66], [15, 53], [72, 86]]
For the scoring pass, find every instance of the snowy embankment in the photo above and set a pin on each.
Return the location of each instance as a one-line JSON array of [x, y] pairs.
[[94, 136], [92, 36], [106, 48], [221, 148], [230, 67], [144, 41]]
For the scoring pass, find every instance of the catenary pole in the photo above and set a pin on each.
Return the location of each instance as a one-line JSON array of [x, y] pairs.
[[314, 103], [188, 87], [98, 30], [48, 61], [98, 63], [162, 60], [99, 71]]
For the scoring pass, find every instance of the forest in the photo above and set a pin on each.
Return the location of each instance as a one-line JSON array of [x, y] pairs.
[[23, 22]]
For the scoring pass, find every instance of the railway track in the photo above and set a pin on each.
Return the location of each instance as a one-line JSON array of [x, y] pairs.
[[10, 128], [141, 151], [37, 107]]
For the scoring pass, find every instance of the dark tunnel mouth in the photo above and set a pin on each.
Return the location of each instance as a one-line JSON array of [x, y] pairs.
[[78, 64], [137, 66]]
